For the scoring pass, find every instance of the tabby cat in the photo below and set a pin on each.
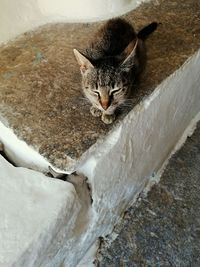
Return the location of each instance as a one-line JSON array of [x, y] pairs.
[[110, 64]]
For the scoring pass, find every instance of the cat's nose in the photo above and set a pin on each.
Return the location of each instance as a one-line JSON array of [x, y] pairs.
[[105, 103]]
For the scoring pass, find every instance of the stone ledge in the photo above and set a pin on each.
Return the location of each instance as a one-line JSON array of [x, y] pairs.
[[37, 214], [40, 94]]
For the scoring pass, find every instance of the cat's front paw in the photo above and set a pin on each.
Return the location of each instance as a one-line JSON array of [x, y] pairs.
[[95, 112], [108, 119]]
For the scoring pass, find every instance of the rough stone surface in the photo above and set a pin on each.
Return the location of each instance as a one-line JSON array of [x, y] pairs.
[[163, 229], [40, 93], [37, 217]]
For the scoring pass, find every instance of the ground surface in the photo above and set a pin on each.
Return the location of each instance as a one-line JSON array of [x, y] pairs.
[[163, 229], [40, 95]]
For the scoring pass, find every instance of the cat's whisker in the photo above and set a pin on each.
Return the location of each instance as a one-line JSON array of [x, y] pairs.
[[125, 107], [129, 100], [84, 99], [128, 103]]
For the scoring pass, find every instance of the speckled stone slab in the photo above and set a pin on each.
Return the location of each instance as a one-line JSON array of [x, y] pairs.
[[40, 91]]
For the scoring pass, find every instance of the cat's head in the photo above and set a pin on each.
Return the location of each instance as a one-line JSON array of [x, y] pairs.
[[106, 82]]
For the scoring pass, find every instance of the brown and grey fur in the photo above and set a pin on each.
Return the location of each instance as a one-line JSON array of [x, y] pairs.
[[110, 64]]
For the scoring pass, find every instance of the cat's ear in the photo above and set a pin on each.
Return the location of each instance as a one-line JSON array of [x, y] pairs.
[[128, 55], [83, 62]]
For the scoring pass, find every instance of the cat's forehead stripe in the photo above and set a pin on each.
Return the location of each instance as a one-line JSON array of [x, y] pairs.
[[105, 77]]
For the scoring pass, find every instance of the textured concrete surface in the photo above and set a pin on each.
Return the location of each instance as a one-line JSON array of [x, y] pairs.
[[37, 217], [40, 92], [163, 229]]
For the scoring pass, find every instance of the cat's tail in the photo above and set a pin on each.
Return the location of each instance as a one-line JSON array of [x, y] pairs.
[[146, 31]]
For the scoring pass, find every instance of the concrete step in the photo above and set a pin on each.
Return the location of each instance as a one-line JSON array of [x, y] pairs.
[[32, 213], [45, 123], [40, 94]]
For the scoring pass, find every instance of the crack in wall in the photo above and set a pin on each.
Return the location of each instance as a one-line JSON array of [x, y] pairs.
[[3, 154]]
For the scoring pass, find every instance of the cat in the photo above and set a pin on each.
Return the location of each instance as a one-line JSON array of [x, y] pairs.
[[110, 64]]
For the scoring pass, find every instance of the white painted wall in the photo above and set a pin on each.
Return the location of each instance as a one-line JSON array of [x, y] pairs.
[[19, 16], [34, 209]]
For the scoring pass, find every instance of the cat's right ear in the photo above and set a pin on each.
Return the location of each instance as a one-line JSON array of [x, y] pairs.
[[83, 62]]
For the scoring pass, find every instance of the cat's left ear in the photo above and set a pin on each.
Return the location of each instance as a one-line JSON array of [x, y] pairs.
[[128, 55], [83, 62]]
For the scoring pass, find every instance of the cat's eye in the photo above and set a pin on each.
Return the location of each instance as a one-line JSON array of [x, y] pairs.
[[97, 93], [116, 91]]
